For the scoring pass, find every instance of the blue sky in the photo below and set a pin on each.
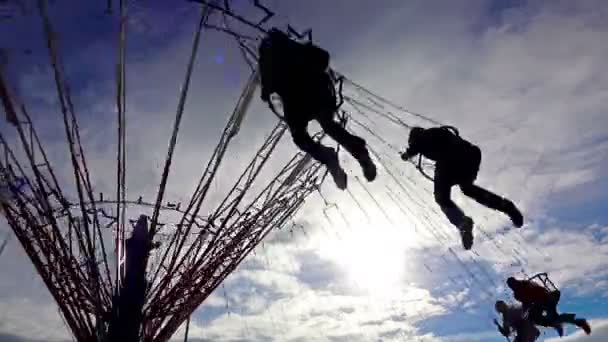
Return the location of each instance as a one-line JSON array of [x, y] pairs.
[[524, 80]]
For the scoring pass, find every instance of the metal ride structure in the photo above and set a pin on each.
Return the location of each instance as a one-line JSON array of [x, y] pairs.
[[161, 272], [144, 281], [543, 280], [366, 114]]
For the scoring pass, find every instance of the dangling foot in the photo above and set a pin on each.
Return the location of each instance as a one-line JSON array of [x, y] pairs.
[[466, 232], [368, 166], [514, 214], [336, 171], [559, 328], [583, 324]]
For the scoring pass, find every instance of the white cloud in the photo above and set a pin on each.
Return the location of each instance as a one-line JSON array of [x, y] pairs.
[[313, 316], [215, 300], [599, 333], [565, 269], [470, 337], [574, 178], [34, 319]]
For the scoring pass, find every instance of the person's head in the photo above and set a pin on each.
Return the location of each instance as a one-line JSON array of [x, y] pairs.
[[264, 45], [275, 38], [511, 282], [500, 306], [415, 133], [276, 33]]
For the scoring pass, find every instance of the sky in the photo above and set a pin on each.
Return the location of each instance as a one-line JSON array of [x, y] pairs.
[[524, 80]]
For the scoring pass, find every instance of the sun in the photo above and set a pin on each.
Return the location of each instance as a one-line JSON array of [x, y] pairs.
[[372, 256]]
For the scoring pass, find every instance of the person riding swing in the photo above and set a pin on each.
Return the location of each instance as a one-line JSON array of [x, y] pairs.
[[457, 162], [542, 305], [514, 320], [298, 74]]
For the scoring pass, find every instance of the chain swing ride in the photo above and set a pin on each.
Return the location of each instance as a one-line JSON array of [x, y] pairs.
[[145, 281]]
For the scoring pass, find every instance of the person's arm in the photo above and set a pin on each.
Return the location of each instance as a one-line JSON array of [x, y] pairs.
[[267, 87], [412, 150], [266, 92], [503, 329], [266, 76], [409, 153]]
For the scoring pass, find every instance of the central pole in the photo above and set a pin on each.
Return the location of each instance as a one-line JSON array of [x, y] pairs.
[[127, 316]]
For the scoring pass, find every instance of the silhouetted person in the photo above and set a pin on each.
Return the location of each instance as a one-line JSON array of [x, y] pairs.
[[514, 320], [298, 74], [457, 162], [542, 305]]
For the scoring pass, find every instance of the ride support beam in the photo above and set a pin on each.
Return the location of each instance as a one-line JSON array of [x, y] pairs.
[[126, 323]]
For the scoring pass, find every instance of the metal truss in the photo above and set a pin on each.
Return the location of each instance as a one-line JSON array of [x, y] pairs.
[[64, 231]]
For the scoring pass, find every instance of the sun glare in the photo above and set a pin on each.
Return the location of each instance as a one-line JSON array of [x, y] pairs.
[[373, 258]]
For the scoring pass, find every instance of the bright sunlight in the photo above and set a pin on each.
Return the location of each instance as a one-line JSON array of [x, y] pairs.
[[373, 257]]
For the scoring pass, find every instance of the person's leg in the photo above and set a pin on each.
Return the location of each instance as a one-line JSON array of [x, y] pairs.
[[323, 154], [443, 183], [304, 142], [351, 143], [536, 316], [493, 201], [526, 332], [467, 177], [583, 324], [551, 317], [570, 318], [483, 196], [566, 317], [519, 338], [551, 306], [535, 334]]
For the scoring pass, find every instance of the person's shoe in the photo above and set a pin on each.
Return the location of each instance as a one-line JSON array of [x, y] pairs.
[[514, 214], [368, 166], [583, 324], [466, 232], [337, 172]]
